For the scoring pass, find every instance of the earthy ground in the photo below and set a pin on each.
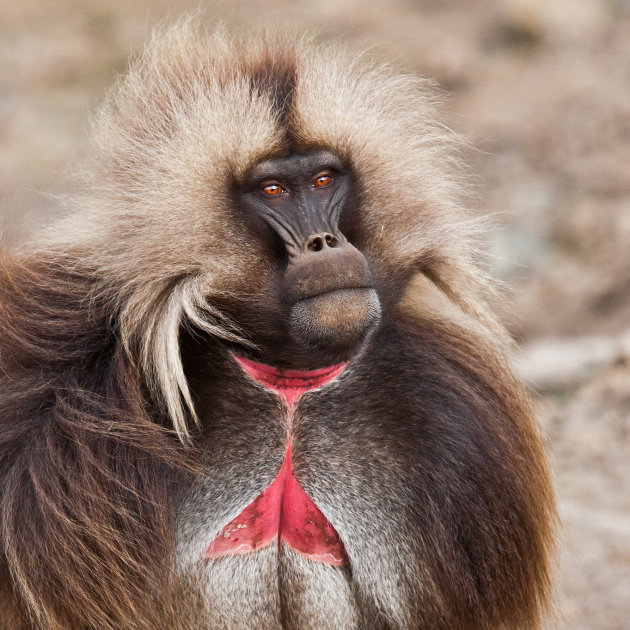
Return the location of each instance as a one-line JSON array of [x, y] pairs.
[[543, 90]]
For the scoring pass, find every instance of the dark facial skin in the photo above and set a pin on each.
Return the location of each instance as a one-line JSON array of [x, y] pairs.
[[325, 302]]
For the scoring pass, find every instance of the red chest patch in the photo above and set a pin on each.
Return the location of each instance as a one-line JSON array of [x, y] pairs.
[[284, 512]]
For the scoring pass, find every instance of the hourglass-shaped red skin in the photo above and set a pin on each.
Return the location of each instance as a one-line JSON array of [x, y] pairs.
[[284, 512]]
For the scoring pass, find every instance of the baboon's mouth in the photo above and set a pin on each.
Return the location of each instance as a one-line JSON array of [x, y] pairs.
[[316, 287], [341, 285]]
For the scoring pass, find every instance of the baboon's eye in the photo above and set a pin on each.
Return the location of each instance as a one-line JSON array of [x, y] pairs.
[[272, 190], [323, 180]]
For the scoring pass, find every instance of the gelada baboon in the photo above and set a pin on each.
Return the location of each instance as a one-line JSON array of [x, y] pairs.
[[253, 380]]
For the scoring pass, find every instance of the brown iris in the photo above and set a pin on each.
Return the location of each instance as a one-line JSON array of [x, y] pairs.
[[272, 190], [322, 180]]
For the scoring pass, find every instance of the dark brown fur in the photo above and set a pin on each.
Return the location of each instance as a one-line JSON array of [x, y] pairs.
[[86, 469]]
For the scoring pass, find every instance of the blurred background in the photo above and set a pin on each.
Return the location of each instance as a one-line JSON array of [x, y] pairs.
[[542, 89]]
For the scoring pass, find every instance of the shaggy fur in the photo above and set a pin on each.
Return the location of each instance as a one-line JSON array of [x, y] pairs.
[[117, 412]]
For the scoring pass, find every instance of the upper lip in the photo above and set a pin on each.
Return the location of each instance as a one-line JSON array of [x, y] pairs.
[[317, 273]]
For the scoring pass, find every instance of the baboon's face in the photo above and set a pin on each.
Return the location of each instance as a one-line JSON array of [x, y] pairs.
[[320, 300]]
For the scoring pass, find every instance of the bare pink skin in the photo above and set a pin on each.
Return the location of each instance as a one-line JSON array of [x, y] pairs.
[[284, 512]]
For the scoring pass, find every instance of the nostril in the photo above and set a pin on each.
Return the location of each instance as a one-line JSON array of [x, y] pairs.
[[319, 242], [316, 244]]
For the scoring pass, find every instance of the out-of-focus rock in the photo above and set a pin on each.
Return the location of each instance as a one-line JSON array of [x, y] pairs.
[[531, 20], [547, 364]]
